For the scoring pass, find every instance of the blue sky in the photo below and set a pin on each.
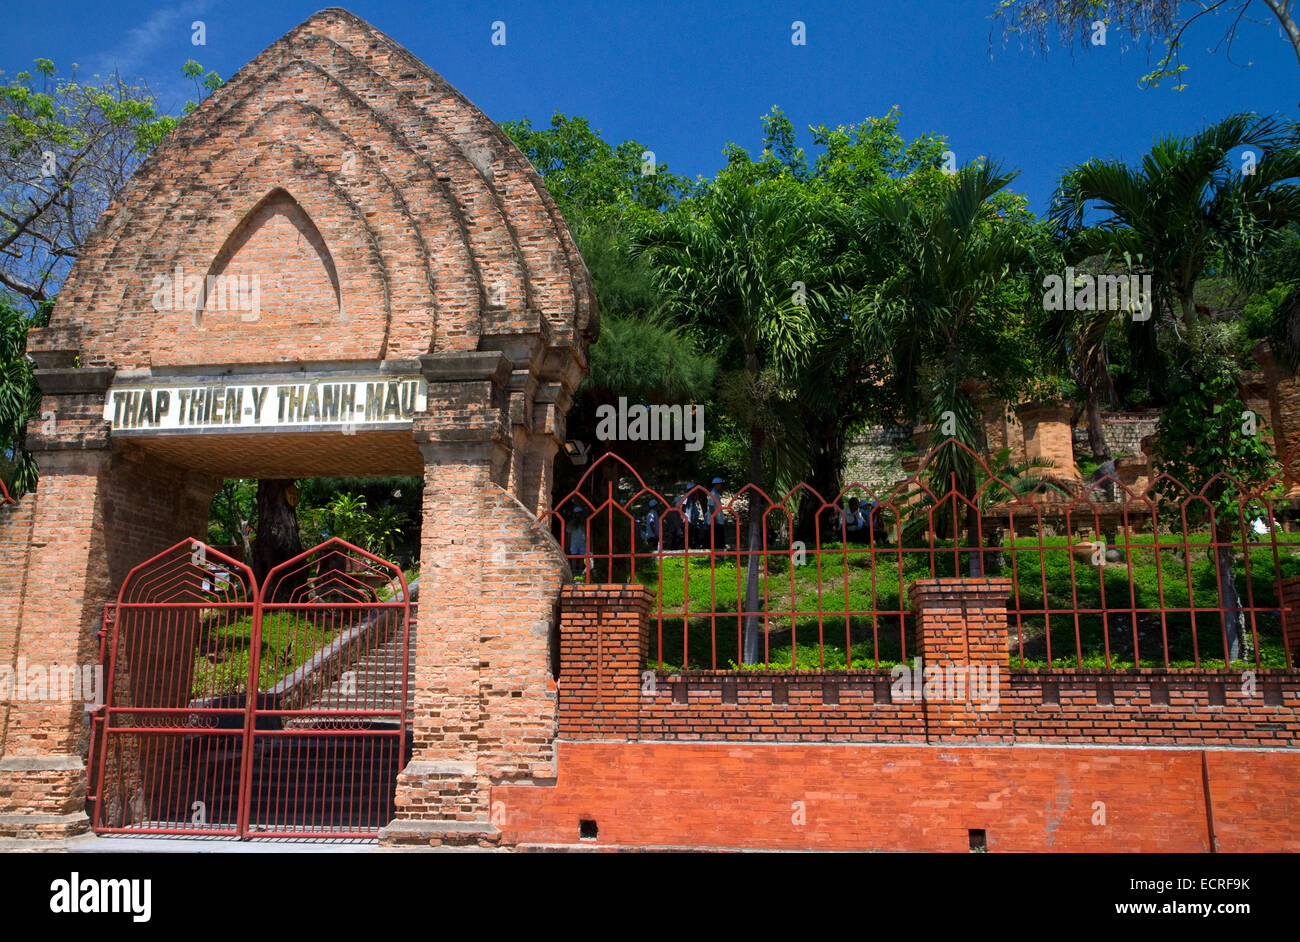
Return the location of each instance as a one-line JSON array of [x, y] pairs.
[[685, 78]]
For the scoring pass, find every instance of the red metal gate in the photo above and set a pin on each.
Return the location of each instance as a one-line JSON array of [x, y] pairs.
[[179, 745], [328, 727]]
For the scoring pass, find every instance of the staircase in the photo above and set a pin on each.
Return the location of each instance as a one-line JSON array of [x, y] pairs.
[[375, 681]]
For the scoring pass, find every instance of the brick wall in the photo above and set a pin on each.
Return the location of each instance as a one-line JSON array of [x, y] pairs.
[[94, 516], [961, 634], [391, 226], [385, 216], [1291, 621], [850, 761], [485, 699], [909, 798]]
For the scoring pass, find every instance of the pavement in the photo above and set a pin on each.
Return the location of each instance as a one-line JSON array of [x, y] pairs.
[[163, 844]]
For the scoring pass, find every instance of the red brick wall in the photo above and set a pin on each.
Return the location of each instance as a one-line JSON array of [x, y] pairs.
[[605, 634], [1291, 611], [95, 515], [800, 760], [485, 701], [16, 522], [909, 798]]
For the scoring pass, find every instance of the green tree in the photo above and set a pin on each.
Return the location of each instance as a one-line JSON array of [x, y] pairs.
[[724, 259], [950, 310], [842, 380], [20, 397], [1146, 21], [1187, 212], [66, 148], [1188, 204], [1212, 442], [232, 516], [602, 190], [589, 178]]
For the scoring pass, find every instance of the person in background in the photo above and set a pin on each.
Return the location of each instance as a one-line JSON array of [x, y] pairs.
[[650, 526], [578, 542], [694, 516], [855, 524], [717, 520], [674, 525], [875, 515]]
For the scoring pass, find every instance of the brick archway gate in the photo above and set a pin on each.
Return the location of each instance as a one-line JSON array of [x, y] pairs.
[[382, 286], [179, 747]]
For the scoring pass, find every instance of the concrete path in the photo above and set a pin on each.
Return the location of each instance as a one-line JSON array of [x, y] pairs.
[[130, 844]]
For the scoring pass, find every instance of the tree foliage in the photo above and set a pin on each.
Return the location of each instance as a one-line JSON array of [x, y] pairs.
[[1146, 22], [67, 147]]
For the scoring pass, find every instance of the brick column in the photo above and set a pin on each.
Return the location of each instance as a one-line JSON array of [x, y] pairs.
[[1049, 436], [490, 575], [1291, 616], [604, 641], [100, 509], [961, 636], [43, 771]]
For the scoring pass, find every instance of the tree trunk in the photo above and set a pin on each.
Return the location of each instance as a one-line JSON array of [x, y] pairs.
[[825, 475], [277, 535], [1096, 437], [756, 508], [1234, 619], [1279, 8]]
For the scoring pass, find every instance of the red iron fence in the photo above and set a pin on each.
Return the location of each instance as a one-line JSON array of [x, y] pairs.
[[1103, 576]]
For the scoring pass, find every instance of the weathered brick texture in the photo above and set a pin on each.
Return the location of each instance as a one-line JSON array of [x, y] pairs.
[[961, 635], [485, 702], [94, 516], [385, 216], [909, 798], [383, 224], [848, 760]]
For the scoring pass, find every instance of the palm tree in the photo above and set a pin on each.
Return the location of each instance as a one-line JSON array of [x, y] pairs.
[[726, 259], [20, 397], [1189, 206], [931, 311], [1186, 205]]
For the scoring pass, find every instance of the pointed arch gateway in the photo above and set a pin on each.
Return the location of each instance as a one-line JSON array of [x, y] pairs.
[[382, 286]]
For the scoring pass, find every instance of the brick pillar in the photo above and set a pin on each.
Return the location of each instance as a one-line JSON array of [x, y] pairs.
[[961, 636], [490, 575], [43, 771], [100, 509], [604, 642], [1291, 616], [1049, 436]]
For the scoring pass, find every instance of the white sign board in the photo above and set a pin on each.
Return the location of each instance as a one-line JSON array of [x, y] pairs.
[[286, 404]]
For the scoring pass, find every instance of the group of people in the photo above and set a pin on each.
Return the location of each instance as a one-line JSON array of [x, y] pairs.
[[860, 524], [702, 519], [692, 515]]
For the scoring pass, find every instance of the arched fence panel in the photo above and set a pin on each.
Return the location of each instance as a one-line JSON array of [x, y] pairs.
[[168, 744], [230, 710], [1104, 574]]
